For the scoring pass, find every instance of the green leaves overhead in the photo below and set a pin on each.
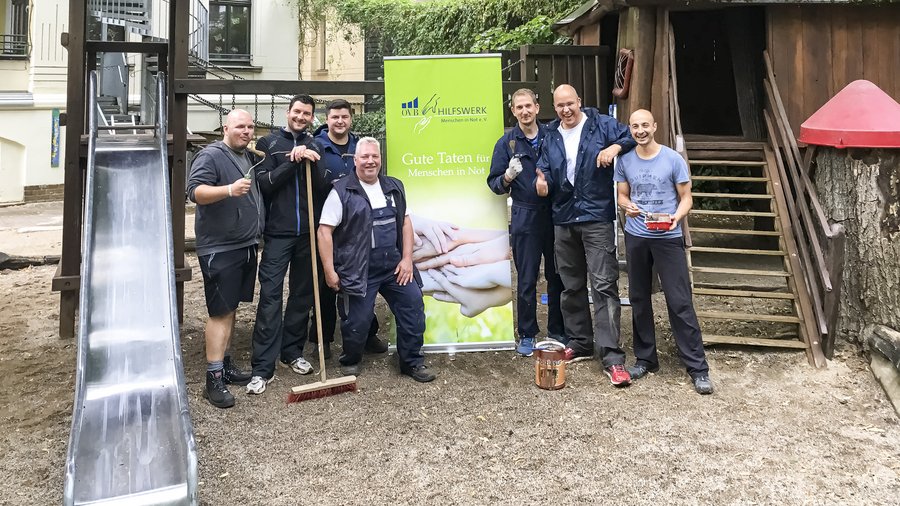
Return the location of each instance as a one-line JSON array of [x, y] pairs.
[[405, 27]]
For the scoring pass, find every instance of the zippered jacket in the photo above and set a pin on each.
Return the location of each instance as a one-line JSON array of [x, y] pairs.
[[522, 188], [591, 198], [283, 183], [231, 223]]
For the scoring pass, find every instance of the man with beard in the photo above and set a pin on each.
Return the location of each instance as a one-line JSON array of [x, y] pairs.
[[575, 170], [282, 180], [229, 221], [531, 224], [338, 146], [665, 173]]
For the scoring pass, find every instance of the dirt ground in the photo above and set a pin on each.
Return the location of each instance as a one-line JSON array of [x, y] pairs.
[[775, 431]]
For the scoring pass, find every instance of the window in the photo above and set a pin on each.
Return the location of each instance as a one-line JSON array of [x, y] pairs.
[[229, 32], [14, 35]]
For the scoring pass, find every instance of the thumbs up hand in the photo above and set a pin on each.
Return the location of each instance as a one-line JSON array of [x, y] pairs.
[[540, 184]]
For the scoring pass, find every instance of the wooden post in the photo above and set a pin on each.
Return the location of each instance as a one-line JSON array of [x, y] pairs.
[[70, 261], [179, 35]]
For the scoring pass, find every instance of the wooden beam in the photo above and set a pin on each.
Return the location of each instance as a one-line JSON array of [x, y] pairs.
[[743, 294], [183, 85], [179, 40], [742, 272], [70, 262], [753, 341], [750, 317]]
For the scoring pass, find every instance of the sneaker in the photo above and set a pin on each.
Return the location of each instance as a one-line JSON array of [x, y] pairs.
[[258, 384], [703, 385], [375, 345], [526, 346], [314, 351], [572, 356], [350, 369], [618, 376], [561, 338], [638, 371], [216, 392], [300, 366], [420, 373], [234, 375]]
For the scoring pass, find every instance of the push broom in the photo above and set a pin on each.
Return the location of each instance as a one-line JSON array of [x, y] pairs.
[[324, 387]]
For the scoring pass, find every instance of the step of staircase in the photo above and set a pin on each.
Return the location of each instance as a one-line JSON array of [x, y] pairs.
[[742, 279]]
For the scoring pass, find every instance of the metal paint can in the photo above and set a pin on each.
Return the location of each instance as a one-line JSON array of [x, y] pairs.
[[550, 365]]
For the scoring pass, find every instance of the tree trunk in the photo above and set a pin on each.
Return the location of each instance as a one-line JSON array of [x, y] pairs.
[[860, 188]]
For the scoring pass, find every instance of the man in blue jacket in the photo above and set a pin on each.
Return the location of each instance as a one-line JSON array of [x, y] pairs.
[[576, 170], [338, 146], [282, 180], [229, 222], [366, 243], [531, 224]]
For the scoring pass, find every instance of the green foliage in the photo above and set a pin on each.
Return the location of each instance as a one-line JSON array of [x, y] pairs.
[[369, 123], [405, 27], [536, 31]]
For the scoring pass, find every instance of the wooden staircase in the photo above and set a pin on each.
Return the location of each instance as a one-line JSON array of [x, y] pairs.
[[743, 256]]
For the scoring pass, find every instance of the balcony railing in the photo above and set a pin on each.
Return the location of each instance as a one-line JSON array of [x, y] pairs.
[[13, 46]]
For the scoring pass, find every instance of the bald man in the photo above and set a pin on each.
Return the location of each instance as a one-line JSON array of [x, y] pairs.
[[575, 170], [655, 179], [228, 222]]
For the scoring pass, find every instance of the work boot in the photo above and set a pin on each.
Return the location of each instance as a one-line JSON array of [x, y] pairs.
[[216, 392], [375, 345], [233, 375], [420, 373]]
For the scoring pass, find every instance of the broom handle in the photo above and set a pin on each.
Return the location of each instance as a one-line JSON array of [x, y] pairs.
[[317, 305]]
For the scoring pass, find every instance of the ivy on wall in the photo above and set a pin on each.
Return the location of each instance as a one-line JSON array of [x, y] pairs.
[[407, 27]]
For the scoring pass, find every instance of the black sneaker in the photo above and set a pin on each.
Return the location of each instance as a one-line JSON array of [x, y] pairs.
[[638, 371], [420, 373], [314, 350], [350, 369], [233, 375], [216, 392], [375, 345]]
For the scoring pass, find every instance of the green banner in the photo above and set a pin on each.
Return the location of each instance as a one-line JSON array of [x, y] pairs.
[[444, 115]]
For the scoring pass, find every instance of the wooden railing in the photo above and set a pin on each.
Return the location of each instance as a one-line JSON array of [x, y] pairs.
[[821, 244]]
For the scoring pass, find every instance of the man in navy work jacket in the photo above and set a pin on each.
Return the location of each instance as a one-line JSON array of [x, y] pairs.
[[338, 146], [282, 180], [665, 187], [531, 225], [575, 169], [366, 243], [229, 221]]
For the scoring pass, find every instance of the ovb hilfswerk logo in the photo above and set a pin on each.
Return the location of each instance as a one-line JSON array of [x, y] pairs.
[[410, 108], [433, 108]]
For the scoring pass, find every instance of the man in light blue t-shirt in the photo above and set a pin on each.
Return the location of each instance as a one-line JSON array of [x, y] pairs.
[[653, 178]]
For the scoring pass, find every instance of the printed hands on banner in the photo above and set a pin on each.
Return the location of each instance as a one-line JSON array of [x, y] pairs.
[[469, 267]]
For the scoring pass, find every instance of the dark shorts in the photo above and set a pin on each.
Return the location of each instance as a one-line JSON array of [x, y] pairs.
[[229, 278]]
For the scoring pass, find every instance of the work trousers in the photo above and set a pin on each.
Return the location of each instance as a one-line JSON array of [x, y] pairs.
[[274, 336], [328, 308], [586, 252], [532, 238], [409, 313], [668, 256]]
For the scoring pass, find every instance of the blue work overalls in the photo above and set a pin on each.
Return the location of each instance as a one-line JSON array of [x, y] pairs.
[[405, 301]]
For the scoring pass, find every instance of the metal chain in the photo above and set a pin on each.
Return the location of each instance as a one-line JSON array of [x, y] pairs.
[[220, 112], [273, 110], [255, 108]]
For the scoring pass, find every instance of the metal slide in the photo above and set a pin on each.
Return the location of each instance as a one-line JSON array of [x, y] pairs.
[[132, 441]]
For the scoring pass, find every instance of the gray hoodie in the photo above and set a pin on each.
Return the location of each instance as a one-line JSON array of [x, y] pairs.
[[231, 223]]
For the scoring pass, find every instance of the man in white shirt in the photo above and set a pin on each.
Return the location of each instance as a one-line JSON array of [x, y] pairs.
[[366, 243], [575, 170]]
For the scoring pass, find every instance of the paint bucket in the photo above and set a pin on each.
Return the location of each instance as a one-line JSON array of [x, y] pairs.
[[659, 222], [550, 365]]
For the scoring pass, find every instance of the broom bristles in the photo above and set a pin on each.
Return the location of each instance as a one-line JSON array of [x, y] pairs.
[[321, 389]]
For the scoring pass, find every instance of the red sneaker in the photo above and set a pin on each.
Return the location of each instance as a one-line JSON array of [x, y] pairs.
[[572, 356], [618, 375]]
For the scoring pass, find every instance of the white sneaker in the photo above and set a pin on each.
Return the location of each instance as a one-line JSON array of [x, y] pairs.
[[257, 384], [301, 366]]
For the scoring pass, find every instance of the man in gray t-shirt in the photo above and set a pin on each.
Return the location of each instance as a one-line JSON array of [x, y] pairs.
[[653, 178]]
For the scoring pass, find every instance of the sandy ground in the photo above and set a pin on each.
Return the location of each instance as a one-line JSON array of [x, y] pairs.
[[775, 431]]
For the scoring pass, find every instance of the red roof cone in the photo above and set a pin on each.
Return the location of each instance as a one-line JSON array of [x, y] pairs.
[[859, 116]]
